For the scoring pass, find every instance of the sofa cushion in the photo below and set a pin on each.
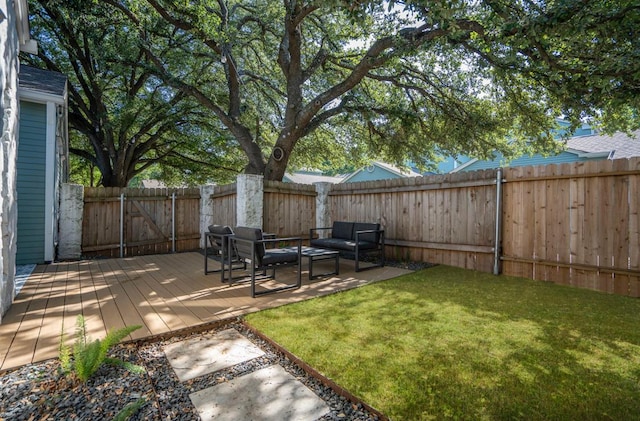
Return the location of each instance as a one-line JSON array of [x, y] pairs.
[[334, 243], [343, 230], [367, 245], [373, 237], [339, 244], [279, 256]]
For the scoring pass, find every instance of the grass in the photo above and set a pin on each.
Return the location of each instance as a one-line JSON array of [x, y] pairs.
[[448, 343]]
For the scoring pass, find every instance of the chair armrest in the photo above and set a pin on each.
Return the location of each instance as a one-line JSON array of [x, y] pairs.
[[275, 239], [380, 231]]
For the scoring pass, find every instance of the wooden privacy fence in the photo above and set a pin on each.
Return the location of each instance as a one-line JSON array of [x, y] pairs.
[[127, 222], [223, 203], [448, 219], [289, 209], [575, 224]]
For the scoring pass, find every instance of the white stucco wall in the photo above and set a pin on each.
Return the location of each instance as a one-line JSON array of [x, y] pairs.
[[8, 146]]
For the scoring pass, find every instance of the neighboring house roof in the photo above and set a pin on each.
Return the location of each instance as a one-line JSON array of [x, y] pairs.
[[310, 177], [43, 81], [580, 148], [379, 171], [617, 146]]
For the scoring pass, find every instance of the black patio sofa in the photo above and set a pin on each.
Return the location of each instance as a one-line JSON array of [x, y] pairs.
[[358, 238]]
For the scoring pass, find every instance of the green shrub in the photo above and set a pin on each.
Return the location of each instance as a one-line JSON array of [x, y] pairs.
[[89, 355]]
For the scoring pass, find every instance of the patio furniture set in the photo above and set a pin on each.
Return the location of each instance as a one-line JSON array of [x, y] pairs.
[[258, 253]]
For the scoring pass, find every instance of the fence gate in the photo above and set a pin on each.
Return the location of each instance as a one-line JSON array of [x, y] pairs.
[[127, 222]]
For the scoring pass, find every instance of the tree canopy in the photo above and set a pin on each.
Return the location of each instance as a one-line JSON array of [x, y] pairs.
[[312, 83], [123, 119]]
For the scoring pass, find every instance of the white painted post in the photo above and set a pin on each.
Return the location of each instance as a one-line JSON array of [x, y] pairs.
[[70, 225], [323, 212], [250, 200]]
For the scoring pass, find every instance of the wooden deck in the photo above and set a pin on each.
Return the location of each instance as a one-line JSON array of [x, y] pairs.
[[163, 293]]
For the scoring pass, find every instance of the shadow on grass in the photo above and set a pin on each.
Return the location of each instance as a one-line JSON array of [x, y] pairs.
[[451, 343]]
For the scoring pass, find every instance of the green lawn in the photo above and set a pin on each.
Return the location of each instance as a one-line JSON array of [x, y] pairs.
[[448, 343]]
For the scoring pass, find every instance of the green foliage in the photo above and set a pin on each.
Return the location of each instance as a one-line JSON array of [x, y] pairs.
[[461, 77], [123, 119], [450, 343], [129, 410], [89, 355], [196, 90]]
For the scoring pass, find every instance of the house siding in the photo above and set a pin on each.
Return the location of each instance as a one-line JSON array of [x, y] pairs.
[[31, 183], [377, 174], [537, 159]]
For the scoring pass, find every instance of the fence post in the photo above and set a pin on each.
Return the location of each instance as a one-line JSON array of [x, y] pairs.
[[70, 223], [173, 222], [121, 225], [206, 210], [250, 200], [323, 213], [498, 239]]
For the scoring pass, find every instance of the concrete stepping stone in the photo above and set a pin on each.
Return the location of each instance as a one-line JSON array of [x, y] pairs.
[[267, 394], [203, 355]]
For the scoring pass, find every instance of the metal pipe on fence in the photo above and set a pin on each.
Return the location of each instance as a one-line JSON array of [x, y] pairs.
[[121, 225], [173, 222], [498, 232]]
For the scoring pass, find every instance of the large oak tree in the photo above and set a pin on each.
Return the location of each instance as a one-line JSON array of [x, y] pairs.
[[315, 81], [311, 83]]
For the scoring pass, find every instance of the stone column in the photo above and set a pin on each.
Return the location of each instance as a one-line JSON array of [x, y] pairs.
[[70, 225], [250, 200], [206, 210], [323, 213], [8, 152]]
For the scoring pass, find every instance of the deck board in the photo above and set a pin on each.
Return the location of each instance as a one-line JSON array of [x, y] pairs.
[[163, 293]]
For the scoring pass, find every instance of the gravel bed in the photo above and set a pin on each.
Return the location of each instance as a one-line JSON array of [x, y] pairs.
[[40, 392], [403, 264]]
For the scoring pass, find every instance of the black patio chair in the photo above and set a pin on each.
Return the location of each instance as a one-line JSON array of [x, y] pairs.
[[216, 244], [250, 246]]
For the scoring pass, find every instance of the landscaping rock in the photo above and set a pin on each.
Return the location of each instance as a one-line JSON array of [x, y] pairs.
[[39, 391]]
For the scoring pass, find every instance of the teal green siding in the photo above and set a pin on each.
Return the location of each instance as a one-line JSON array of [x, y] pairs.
[[537, 159], [30, 182], [377, 174]]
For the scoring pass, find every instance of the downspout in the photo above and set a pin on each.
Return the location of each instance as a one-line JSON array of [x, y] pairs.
[[498, 240]]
